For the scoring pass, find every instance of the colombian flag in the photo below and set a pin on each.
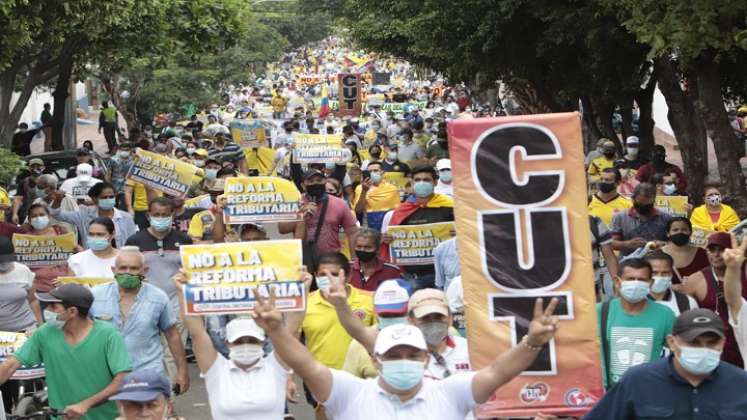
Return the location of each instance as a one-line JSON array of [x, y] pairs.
[[324, 104]]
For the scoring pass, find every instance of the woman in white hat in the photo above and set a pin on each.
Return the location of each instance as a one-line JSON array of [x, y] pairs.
[[246, 385]]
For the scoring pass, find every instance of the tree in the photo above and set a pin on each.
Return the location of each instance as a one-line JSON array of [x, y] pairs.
[[537, 48], [700, 38]]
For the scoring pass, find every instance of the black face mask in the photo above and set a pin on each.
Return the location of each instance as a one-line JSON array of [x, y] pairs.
[[365, 256], [606, 187], [316, 190], [658, 158], [609, 154], [375, 155], [644, 209], [680, 239]]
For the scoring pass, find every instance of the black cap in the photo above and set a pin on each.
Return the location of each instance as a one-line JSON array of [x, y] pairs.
[[312, 172], [68, 294], [690, 324], [7, 251]]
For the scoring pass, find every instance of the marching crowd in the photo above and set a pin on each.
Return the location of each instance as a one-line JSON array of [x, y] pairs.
[[377, 340]]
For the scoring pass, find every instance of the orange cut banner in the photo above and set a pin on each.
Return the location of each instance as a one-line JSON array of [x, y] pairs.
[[349, 95], [523, 232]]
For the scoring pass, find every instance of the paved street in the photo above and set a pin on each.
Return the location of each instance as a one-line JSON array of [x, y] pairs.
[[194, 404]]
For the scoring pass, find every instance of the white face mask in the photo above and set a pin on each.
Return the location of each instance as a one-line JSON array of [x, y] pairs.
[[245, 354]]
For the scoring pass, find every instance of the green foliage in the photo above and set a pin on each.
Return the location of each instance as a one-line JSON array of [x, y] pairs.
[[685, 28], [10, 164]]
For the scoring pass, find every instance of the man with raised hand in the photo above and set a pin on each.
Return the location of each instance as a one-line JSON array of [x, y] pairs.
[[401, 356]]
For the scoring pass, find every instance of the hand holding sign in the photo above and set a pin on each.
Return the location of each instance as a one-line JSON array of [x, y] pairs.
[[544, 324]]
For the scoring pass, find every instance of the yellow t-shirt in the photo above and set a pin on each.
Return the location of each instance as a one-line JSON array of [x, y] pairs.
[[326, 339], [606, 211], [201, 225], [383, 197], [598, 165], [358, 362], [140, 195], [4, 199]]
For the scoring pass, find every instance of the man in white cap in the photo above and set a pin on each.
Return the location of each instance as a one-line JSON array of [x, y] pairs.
[[390, 305], [633, 159], [443, 166], [78, 186], [401, 357]]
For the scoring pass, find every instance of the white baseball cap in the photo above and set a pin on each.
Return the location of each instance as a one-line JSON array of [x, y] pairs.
[[243, 327], [399, 335], [443, 164], [391, 298], [84, 171]]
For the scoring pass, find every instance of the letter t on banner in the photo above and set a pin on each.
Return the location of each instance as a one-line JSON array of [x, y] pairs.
[[523, 232]]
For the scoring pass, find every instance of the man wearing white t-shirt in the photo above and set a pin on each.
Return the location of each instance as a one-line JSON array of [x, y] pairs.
[[429, 311], [84, 180], [401, 357], [734, 292]]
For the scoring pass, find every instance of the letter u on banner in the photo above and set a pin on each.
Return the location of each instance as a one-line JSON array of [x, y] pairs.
[[524, 234]]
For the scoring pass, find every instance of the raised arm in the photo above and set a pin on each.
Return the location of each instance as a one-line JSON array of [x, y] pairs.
[[517, 359], [315, 375], [734, 259], [338, 297], [202, 346]]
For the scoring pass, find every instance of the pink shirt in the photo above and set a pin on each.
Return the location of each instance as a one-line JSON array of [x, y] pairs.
[[338, 216]]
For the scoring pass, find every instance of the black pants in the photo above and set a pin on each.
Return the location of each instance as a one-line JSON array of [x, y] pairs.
[[110, 134]]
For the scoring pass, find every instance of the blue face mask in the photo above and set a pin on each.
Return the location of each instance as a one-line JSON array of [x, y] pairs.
[[375, 177], [445, 176], [50, 318], [40, 193], [161, 224], [661, 284], [97, 244], [107, 203], [402, 374], [386, 322], [40, 222], [634, 291], [699, 360], [322, 283], [211, 174], [422, 189]]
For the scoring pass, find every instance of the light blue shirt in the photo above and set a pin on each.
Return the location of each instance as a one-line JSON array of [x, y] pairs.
[[447, 263], [124, 225], [149, 315]]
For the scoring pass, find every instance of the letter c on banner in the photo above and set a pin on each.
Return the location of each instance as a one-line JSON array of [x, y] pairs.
[[494, 172]]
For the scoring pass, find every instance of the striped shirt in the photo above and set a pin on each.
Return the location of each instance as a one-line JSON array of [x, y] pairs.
[[231, 152]]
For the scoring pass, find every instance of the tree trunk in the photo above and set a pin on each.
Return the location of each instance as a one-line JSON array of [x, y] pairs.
[[61, 92], [626, 112], [110, 83], [591, 132], [645, 100], [528, 98], [604, 110], [710, 106], [688, 129]]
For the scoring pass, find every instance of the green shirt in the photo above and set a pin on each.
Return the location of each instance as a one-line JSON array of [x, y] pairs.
[[78, 372], [633, 339], [110, 114]]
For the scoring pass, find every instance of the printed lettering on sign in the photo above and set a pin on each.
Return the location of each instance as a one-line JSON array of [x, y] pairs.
[[349, 96], [520, 211]]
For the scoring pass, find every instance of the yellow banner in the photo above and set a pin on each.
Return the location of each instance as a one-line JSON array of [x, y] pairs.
[[224, 278], [700, 236], [318, 148], [674, 205], [162, 173], [85, 281], [248, 133], [260, 199], [40, 251], [10, 342], [414, 245]]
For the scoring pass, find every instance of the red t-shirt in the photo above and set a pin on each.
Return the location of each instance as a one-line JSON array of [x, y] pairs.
[[338, 216], [384, 271]]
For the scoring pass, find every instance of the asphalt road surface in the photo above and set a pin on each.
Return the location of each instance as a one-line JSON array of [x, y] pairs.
[[194, 404]]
